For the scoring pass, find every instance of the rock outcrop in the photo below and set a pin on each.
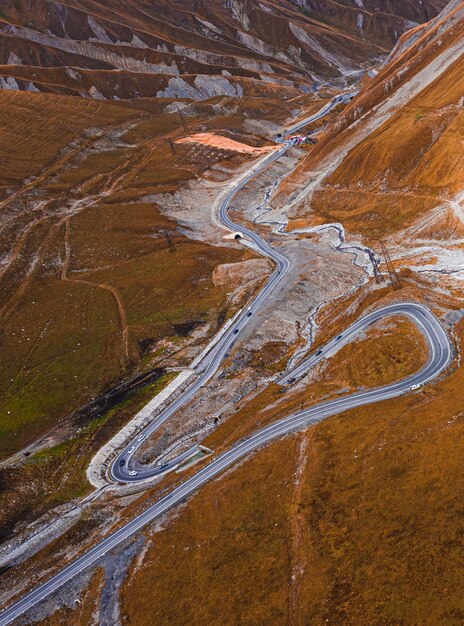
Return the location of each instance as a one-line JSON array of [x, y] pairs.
[[194, 50]]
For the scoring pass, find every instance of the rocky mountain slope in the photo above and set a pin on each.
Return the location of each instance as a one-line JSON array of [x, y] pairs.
[[394, 159], [356, 521], [196, 49]]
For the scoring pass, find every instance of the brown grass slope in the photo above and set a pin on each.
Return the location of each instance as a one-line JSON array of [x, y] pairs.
[[399, 165], [90, 294], [356, 521], [86, 274]]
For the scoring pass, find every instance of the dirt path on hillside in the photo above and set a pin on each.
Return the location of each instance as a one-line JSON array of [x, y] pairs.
[[114, 293], [18, 247], [10, 305]]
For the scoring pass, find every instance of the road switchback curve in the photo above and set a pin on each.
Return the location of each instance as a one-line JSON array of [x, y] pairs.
[[439, 357], [123, 468]]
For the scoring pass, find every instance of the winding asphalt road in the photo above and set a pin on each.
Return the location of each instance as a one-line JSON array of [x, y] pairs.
[[124, 468], [420, 315], [342, 98], [439, 357]]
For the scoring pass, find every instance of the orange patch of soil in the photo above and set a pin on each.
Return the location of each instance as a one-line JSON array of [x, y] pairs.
[[224, 143]]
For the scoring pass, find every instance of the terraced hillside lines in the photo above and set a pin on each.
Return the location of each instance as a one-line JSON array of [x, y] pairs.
[[49, 171], [192, 50], [31, 268], [14, 253], [39, 133], [85, 274], [125, 174], [43, 138], [42, 248]]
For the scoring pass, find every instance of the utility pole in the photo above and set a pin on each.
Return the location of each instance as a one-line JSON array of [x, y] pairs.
[[171, 144], [168, 238], [377, 273], [182, 120], [394, 278]]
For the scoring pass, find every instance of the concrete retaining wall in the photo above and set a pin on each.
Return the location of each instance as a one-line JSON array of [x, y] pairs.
[[197, 360], [96, 472]]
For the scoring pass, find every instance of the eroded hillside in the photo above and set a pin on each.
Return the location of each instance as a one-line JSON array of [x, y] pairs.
[[118, 262], [196, 49], [357, 520], [109, 258], [392, 165]]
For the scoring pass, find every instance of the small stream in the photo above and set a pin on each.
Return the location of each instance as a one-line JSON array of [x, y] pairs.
[[362, 257]]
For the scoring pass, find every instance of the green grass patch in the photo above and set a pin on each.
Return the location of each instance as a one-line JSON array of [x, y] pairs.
[[66, 463], [140, 397]]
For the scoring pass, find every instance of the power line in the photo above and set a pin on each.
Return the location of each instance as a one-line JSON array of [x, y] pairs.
[[394, 278], [172, 247], [377, 273]]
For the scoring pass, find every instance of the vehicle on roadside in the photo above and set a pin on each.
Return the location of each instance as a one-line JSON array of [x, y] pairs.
[[414, 387]]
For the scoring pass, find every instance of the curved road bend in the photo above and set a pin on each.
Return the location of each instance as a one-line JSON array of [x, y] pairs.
[[210, 363], [417, 312], [438, 359]]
